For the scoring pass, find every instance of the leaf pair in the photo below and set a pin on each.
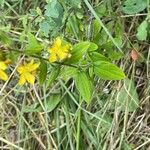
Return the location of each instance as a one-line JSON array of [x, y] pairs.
[[79, 50]]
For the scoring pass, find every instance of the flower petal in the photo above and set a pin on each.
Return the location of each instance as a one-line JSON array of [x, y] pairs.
[[22, 80], [3, 66], [30, 63], [62, 55], [66, 48], [53, 57], [58, 42], [29, 77], [21, 69], [3, 75], [34, 67]]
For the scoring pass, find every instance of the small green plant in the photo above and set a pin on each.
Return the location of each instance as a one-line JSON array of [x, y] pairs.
[[74, 74], [83, 56]]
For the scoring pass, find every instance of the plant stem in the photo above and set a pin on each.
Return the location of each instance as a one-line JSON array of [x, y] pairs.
[[39, 57], [78, 130]]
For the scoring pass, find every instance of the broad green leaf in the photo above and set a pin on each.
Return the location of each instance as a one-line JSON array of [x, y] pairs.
[[113, 55], [142, 31], [78, 52], [43, 72], [50, 105], [53, 18], [51, 9], [33, 46], [84, 86], [68, 72], [108, 71], [96, 27], [46, 26], [92, 47], [95, 56], [52, 102], [54, 72], [102, 9], [128, 97], [134, 6]]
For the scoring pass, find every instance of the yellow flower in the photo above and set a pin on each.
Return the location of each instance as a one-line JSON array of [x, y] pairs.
[[27, 72], [58, 51], [3, 67]]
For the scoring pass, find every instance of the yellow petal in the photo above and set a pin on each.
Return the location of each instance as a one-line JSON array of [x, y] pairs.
[[3, 75], [66, 48], [3, 66], [62, 55], [34, 67], [57, 42], [30, 63], [53, 57], [21, 69], [22, 80], [30, 78]]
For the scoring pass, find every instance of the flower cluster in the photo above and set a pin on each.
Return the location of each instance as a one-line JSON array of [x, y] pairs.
[[27, 71], [59, 50]]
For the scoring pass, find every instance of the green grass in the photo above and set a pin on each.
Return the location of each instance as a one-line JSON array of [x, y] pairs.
[[109, 122]]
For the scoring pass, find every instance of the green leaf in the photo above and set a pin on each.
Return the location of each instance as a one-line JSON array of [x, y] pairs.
[[43, 72], [108, 71], [102, 9], [53, 75], [32, 108], [73, 26], [95, 56], [87, 130], [92, 47], [46, 26], [53, 18], [4, 39], [33, 46], [68, 72], [113, 55], [2, 3], [78, 52], [13, 56], [84, 86], [74, 3], [51, 9], [142, 31], [128, 97], [52, 102], [96, 27], [134, 6], [50, 105]]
